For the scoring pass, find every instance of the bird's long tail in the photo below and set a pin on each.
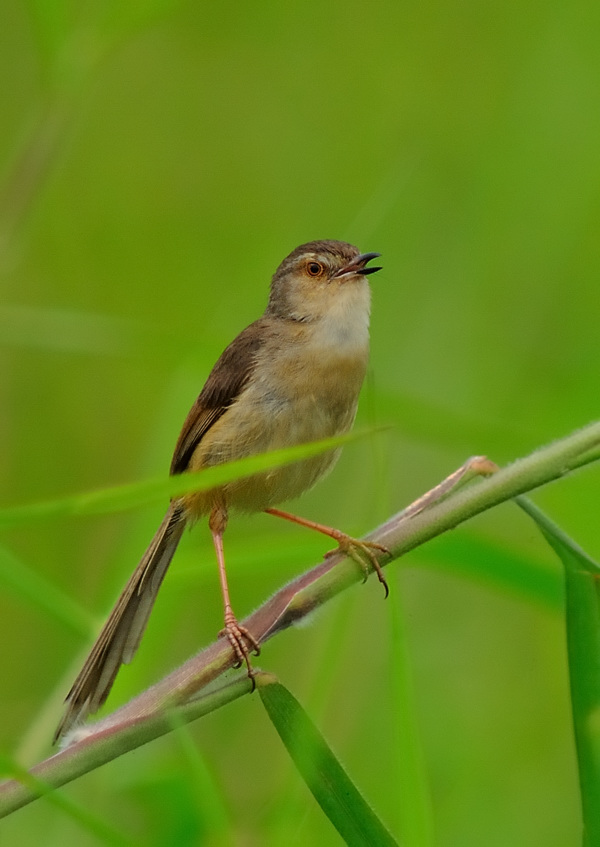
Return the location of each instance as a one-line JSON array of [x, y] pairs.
[[122, 632]]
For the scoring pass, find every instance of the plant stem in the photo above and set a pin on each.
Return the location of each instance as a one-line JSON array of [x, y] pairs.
[[144, 717]]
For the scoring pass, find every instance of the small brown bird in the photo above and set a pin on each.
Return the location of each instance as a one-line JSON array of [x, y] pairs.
[[291, 377]]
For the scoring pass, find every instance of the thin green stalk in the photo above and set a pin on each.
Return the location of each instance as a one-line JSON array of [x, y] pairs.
[[413, 796], [210, 805]]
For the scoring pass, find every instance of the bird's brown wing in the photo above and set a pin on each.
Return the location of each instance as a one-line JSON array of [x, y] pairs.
[[225, 382]]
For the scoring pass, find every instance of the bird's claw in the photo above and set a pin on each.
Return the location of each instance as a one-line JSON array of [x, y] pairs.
[[363, 552], [242, 643]]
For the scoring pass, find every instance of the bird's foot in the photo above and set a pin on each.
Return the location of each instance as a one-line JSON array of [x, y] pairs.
[[363, 552], [242, 643]]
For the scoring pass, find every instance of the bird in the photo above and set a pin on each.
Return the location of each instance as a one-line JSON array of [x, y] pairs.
[[293, 376]]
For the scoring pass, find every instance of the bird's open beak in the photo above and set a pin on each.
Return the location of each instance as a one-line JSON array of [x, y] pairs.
[[358, 266]]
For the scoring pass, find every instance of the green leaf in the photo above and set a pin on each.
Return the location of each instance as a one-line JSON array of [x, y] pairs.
[[582, 613], [329, 783], [131, 496]]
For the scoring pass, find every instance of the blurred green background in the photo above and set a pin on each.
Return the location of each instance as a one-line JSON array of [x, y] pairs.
[[158, 160]]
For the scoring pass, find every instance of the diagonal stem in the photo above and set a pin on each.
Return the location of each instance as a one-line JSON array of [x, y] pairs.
[[146, 716]]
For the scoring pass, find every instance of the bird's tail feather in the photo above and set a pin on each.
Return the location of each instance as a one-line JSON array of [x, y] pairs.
[[122, 632]]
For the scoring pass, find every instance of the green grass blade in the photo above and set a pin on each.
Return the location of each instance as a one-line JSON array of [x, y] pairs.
[[95, 826], [42, 594], [329, 783], [131, 496], [497, 566], [582, 612]]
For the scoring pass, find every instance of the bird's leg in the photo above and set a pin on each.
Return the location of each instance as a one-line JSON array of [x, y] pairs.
[[353, 547], [361, 550], [238, 636]]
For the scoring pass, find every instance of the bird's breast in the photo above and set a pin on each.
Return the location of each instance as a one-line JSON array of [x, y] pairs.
[[301, 392]]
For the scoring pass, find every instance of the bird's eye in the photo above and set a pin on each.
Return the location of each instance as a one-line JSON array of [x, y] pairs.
[[314, 268]]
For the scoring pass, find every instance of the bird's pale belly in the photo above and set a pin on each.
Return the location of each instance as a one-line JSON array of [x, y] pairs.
[[269, 420]]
